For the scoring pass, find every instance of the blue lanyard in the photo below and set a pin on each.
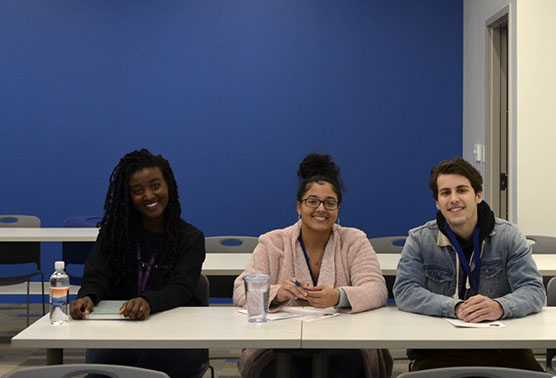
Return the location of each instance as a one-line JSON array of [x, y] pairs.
[[463, 259], [143, 272], [306, 257]]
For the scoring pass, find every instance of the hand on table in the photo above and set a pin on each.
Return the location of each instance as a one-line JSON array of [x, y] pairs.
[[323, 296], [479, 308], [81, 307], [136, 308], [290, 290]]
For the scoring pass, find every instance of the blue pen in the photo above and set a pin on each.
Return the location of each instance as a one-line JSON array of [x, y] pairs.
[[297, 283]]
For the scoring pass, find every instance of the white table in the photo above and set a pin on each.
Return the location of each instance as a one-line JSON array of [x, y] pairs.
[[49, 234], [388, 327], [224, 327], [216, 263], [183, 327]]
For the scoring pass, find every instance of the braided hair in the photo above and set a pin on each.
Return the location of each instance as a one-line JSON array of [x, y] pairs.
[[121, 222], [319, 168]]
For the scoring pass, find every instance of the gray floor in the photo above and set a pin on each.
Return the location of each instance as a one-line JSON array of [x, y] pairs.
[[12, 321]]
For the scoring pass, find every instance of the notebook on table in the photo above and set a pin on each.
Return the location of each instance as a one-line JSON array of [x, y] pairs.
[[107, 310]]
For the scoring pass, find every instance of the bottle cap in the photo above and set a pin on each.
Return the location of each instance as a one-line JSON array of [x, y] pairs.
[[59, 265]]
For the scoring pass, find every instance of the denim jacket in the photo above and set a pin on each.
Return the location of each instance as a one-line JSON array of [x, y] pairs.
[[427, 273]]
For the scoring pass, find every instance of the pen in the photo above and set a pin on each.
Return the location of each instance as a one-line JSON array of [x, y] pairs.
[[297, 283]]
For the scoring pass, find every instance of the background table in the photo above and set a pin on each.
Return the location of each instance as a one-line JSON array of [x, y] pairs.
[[216, 263]]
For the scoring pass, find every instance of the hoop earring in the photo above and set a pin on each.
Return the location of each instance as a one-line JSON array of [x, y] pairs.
[[338, 221], [298, 217]]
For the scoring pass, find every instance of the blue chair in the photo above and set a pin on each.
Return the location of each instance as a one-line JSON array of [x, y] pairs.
[[19, 253], [75, 253]]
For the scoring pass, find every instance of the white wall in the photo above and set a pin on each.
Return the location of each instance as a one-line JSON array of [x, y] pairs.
[[532, 104], [536, 116]]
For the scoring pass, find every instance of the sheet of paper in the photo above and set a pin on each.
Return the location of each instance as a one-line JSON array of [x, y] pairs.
[[311, 314], [462, 324], [275, 315], [106, 310], [300, 313]]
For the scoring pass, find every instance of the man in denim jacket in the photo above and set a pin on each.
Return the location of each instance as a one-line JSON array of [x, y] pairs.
[[438, 275]]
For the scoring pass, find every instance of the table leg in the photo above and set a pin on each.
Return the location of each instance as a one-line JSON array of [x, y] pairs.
[[54, 356], [320, 364], [283, 364]]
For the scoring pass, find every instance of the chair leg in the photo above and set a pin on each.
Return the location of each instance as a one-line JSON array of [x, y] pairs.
[[42, 287], [28, 301], [211, 371]]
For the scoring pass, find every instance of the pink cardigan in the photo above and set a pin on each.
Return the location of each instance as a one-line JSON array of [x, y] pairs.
[[349, 262]]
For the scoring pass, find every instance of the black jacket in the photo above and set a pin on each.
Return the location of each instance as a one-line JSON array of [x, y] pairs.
[[168, 287]]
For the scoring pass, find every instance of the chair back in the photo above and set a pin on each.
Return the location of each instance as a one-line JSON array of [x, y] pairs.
[[203, 290], [542, 244], [19, 253], [12, 253], [76, 253], [15, 221], [388, 244], [72, 370], [475, 371], [230, 244]]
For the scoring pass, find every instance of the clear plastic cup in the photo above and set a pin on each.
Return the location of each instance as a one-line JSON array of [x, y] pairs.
[[256, 293]]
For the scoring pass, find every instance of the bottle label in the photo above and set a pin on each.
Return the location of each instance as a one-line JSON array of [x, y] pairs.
[[59, 296]]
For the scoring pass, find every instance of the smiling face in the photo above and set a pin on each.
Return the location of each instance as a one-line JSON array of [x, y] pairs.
[[149, 193], [457, 201], [318, 219]]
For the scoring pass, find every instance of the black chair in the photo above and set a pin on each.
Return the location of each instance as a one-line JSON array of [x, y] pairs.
[[202, 294], [75, 254], [388, 244], [15, 253]]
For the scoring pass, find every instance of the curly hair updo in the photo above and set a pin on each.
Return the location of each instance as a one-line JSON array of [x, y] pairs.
[[319, 168]]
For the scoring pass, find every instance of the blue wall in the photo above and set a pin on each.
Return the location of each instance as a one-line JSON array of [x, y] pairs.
[[234, 93]]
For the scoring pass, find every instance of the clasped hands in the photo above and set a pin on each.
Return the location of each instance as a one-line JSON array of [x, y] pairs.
[[478, 308], [319, 296], [136, 308]]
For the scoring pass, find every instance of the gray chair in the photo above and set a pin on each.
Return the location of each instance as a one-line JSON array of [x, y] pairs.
[[550, 301], [230, 244], [474, 371], [72, 370], [75, 254], [542, 244], [388, 244], [221, 286], [17, 253]]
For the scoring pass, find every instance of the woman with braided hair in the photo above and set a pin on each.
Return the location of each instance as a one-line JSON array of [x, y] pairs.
[[144, 254]]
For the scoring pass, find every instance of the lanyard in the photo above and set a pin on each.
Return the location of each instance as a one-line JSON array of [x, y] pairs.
[[143, 273], [463, 259], [305, 253]]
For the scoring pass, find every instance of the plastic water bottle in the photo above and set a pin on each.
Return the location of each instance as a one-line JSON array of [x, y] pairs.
[[59, 295]]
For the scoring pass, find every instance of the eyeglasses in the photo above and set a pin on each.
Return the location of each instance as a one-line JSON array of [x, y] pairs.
[[329, 204]]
